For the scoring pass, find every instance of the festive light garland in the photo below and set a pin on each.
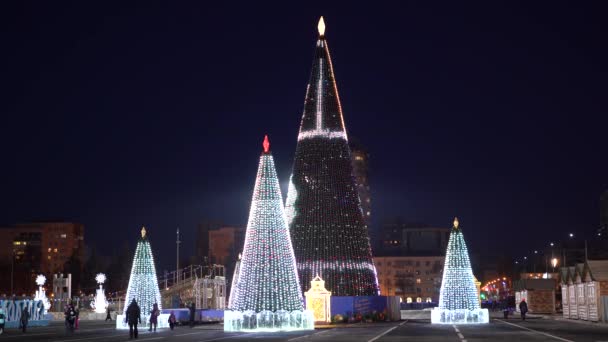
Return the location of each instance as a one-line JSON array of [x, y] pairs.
[[266, 295], [323, 209]]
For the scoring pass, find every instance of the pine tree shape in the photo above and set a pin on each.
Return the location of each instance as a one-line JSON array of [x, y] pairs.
[[458, 297], [323, 208], [267, 278], [458, 289], [143, 284]]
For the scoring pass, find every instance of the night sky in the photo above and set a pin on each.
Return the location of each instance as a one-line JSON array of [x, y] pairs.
[[122, 115]]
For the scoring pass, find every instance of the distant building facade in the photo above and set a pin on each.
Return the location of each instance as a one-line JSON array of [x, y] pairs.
[[416, 279], [218, 243], [225, 244], [399, 238], [40, 247], [360, 162]]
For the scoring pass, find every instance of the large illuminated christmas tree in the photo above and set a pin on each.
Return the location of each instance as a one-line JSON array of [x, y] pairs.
[[458, 301], [328, 231], [266, 295], [143, 284]]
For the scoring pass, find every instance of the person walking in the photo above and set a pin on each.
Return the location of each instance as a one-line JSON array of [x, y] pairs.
[[154, 317], [70, 318], [523, 309], [504, 305], [192, 310], [133, 316], [172, 320], [108, 317], [25, 317]]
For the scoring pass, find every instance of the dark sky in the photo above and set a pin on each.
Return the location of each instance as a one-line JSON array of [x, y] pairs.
[[122, 115]]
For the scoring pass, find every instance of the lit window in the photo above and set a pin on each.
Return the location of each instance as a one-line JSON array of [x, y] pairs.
[[64, 236], [418, 280], [418, 300], [55, 250], [49, 257], [358, 158], [428, 299], [49, 249], [409, 299], [17, 243]]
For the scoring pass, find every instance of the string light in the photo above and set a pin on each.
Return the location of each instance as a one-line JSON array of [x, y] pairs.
[[267, 287], [458, 301], [328, 230]]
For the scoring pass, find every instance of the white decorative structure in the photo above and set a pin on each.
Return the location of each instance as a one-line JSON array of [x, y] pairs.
[[41, 293], [458, 297], [100, 304], [318, 300]]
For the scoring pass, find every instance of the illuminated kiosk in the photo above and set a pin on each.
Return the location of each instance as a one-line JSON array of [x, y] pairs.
[[143, 286], [266, 295], [318, 300], [458, 299]]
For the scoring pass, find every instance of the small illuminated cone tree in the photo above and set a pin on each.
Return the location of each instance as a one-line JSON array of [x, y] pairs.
[[41, 293], [143, 284], [100, 304], [458, 299], [266, 294]]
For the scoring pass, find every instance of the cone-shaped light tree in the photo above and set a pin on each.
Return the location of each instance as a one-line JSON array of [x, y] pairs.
[[458, 298], [266, 295], [328, 230], [143, 284]]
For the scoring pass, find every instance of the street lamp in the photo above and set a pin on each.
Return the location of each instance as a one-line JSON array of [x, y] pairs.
[[571, 235]]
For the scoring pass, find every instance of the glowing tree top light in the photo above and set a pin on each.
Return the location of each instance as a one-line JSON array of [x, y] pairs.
[[143, 284], [458, 298], [328, 230], [100, 278], [40, 280], [266, 295]]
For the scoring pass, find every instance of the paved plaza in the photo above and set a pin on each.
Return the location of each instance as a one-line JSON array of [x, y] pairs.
[[535, 329]]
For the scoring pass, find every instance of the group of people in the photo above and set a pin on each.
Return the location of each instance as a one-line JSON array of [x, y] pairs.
[[523, 309], [133, 318]]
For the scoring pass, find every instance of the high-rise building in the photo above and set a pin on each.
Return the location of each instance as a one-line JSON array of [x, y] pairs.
[[360, 161], [412, 239], [328, 230], [40, 247], [603, 230]]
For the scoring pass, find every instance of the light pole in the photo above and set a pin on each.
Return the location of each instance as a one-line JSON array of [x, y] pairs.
[[554, 263], [12, 269], [177, 242]]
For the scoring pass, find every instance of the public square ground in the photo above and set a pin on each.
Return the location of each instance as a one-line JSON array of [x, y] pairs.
[[533, 329]]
